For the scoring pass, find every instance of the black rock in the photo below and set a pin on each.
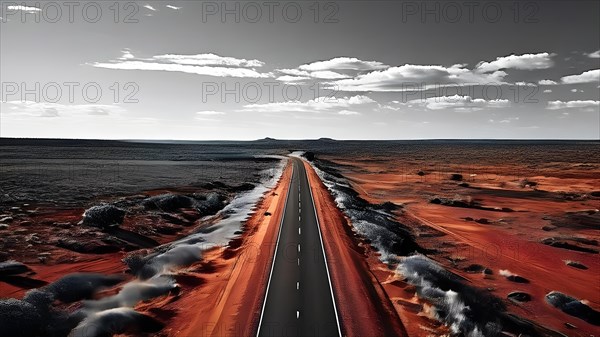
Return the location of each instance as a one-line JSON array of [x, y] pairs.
[[577, 265], [456, 177], [168, 202], [103, 216], [573, 307], [517, 279], [12, 267], [519, 296]]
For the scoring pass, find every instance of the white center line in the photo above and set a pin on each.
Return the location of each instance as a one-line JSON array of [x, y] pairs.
[[299, 231], [298, 248], [297, 314], [298, 261], [297, 285]]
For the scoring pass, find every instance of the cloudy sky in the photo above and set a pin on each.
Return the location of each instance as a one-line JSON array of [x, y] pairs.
[[298, 69]]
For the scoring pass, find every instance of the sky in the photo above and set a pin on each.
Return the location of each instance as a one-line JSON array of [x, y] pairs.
[[243, 70]]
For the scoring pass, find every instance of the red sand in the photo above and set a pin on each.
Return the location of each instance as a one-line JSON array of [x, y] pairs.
[[234, 279], [221, 295], [511, 241]]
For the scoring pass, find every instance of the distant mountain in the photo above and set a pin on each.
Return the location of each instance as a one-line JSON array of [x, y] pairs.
[[267, 139]]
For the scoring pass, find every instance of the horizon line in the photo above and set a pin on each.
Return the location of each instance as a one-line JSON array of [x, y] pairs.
[[299, 139]]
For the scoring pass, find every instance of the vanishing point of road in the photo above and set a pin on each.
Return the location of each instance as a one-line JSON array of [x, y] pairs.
[[299, 300]]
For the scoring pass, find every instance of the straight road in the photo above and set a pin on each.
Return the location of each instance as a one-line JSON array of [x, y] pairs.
[[299, 299]]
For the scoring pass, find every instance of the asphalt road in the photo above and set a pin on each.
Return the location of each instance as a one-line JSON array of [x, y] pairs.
[[299, 299]]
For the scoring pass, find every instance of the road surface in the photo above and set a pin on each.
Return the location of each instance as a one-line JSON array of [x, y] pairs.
[[299, 298]]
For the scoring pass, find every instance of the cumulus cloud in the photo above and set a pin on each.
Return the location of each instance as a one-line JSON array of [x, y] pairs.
[[343, 63], [173, 7], [521, 62], [587, 104], [547, 82], [463, 103], [321, 104], [333, 69], [147, 6], [589, 76], [418, 77]]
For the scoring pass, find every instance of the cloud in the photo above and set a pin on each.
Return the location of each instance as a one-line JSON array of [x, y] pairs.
[[348, 112], [410, 77], [504, 121], [343, 63], [173, 7], [525, 84], [320, 104], [547, 82], [127, 55], [333, 69], [208, 60], [189, 69], [589, 76], [547, 91], [294, 72], [24, 8], [327, 75], [594, 55], [588, 104], [292, 75], [459, 103], [521, 62], [17, 109], [147, 6], [209, 113], [288, 78], [199, 64]]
